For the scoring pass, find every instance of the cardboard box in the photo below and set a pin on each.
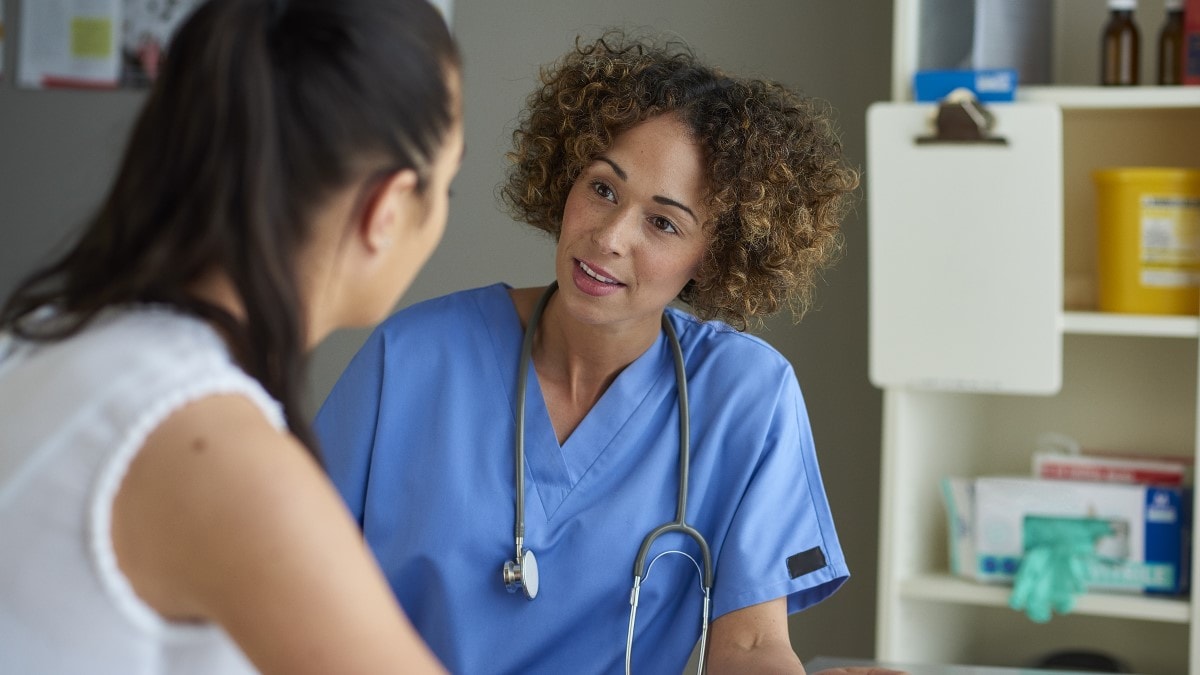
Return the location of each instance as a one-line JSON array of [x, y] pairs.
[[1113, 468], [1148, 549], [958, 495]]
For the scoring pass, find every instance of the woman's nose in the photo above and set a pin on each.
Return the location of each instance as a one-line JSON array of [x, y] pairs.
[[614, 234]]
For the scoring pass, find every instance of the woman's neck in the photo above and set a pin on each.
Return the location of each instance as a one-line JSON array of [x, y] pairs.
[[577, 362], [216, 288]]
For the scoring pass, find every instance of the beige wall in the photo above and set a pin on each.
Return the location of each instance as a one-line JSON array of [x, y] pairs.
[[57, 150]]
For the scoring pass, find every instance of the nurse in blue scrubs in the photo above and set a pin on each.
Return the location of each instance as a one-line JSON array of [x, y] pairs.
[[676, 191]]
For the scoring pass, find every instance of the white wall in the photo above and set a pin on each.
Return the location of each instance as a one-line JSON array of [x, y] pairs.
[[57, 150]]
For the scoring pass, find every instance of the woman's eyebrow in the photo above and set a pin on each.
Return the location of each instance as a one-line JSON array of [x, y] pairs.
[[619, 171], [666, 201]]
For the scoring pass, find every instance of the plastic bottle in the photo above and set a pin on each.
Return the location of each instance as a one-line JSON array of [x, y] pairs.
[[1119, 64], [1170, 45]]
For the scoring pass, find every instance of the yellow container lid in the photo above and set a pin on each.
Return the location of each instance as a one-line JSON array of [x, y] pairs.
[[1147, 174]]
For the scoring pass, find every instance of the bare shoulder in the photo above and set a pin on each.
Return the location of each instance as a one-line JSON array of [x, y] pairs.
[[227, 437], [213, 469], [220, 447], [224, 518]]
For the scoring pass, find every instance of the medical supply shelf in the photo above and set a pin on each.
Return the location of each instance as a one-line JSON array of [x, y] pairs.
[[964, 397], [927, 614], [1132, 325], [1079, 96], [951, 589]]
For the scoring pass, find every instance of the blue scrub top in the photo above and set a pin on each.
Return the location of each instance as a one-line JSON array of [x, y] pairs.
[[418, 437]]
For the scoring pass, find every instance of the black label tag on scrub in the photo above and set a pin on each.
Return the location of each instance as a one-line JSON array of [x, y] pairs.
[[806, 561]]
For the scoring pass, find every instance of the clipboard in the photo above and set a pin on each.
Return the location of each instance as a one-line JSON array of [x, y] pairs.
[[965, 249]]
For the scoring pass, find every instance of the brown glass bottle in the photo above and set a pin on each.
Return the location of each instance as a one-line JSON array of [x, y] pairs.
[[1170, 45], [1119, 46]]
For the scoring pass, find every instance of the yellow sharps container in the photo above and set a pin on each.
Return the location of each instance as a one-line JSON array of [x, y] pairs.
[[1148, 240]]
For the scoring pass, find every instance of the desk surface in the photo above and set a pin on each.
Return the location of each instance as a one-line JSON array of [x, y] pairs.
[[822, 662]]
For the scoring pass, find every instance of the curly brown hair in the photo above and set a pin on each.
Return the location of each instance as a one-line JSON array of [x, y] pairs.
[[780, 185]]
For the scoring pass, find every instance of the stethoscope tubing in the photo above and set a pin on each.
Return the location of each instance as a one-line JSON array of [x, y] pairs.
[[685, 434], [519, 436], [679, 524]]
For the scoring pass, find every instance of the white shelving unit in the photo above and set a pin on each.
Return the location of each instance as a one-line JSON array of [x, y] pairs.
[[1112, 381]]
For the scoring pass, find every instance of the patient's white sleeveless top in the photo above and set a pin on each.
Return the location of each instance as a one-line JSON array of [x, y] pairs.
[[73, 414]]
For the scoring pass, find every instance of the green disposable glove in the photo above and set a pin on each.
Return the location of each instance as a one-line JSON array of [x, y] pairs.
[[1054, 567]]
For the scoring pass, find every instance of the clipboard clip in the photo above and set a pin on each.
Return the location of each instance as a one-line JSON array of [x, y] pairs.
[[961, 118]]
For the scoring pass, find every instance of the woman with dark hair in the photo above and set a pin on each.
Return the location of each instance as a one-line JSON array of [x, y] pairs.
[[661, 180], [162, 506]]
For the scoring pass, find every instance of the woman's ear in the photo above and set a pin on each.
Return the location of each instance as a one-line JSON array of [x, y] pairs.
[[395, 206]]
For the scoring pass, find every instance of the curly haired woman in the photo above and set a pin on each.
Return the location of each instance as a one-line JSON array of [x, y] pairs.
[[665, 183]]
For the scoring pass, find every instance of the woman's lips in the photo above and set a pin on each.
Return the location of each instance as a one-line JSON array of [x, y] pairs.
[[594, 281], [596, 273]]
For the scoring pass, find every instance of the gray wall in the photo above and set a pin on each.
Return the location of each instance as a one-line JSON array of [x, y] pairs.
[[57, 150]]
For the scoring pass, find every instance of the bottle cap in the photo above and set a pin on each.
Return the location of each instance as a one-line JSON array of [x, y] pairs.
[[1122, 4], [1174, 5]]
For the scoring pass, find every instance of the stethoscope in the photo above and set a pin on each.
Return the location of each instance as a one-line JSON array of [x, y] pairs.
[[522, 571]]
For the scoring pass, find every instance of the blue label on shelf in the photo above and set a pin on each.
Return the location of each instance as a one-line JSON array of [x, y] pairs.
[[992, 84]]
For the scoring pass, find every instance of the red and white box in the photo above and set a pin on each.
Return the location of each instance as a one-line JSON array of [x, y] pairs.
[[1113, 468]]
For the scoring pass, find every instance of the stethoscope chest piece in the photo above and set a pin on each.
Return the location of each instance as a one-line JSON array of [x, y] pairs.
[[522, 574]]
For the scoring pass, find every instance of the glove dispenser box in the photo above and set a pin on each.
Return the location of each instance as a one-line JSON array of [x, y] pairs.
[[1144, 547]]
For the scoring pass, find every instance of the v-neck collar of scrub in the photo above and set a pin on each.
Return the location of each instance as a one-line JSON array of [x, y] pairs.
[[553, 471]]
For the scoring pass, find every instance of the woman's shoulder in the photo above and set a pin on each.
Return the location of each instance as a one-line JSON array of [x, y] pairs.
[[214, 462], [724, 346], [734, 370], [174, 357], [153, 345], [448, 310], [135, 328]]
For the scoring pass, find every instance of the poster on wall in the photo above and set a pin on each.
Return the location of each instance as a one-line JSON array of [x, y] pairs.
[[101, 44], [68, 43], [95, 44], [145, 30]]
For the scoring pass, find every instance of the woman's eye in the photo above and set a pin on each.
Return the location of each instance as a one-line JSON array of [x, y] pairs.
[[601, 188], [663, 225]]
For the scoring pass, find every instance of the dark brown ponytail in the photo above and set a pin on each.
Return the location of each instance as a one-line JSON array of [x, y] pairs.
[[263, 109]]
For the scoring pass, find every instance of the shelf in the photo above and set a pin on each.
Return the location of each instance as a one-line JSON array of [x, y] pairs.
[[1112, 97], [1128, 381], [950, 589], [1137, 325]]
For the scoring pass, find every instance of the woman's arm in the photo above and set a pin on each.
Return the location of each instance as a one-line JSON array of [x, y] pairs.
[[755, 639], [223, 518]]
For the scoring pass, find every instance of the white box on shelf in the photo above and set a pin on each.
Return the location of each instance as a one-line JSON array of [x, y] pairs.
[[958, 495], [1147, 550]]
